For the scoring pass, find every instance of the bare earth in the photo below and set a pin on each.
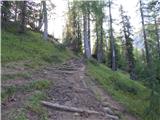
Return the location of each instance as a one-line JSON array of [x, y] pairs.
[[72, 88]]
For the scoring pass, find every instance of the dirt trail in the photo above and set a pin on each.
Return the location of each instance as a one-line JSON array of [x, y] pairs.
[[73, 88], [78, 90]]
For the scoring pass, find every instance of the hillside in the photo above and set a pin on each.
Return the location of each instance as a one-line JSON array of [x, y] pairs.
[[30, 46], [132, 94], [35, 70]]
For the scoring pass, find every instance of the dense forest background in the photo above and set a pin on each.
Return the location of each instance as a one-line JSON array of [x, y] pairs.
[[115, 50]]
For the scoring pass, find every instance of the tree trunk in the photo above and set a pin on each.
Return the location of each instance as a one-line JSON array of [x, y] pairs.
[[88, 22], [157, 37], [112, 43], [40, 21], [79, 36], [74, 31], [130, 57], [45, 34], [100, 58], [97, 43], [144, 36], [86, 45], [15, 17], [23, 17], [128, 44]]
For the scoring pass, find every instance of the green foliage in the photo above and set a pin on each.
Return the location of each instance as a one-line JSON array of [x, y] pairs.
[[72, 33], [131, 94], [153, 111]]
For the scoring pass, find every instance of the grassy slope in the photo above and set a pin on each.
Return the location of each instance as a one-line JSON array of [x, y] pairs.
[[31, 46], [132, 94]]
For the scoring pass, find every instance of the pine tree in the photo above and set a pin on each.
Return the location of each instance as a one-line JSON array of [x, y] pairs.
[[148, 59], [153, 111], [97, 10], [84, 7], [72, 33], [153, 10], [128, 43], [5, 11], [112, 40]]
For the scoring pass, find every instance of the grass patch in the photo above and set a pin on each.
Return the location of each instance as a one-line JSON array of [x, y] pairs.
[[40, 85], [14, 76], [16, 114], [31, 46], [8, 92], [35, 85], [132, 94], [33, 104], [20, 115]]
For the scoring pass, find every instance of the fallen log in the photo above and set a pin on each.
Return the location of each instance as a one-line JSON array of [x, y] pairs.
[[64, 72], [80, 90], [69, 109], [112, 117]]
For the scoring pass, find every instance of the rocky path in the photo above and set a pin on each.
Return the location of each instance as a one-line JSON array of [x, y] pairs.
[[73, 88]]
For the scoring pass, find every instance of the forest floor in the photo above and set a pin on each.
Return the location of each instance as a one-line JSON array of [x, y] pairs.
[[65, 84]]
